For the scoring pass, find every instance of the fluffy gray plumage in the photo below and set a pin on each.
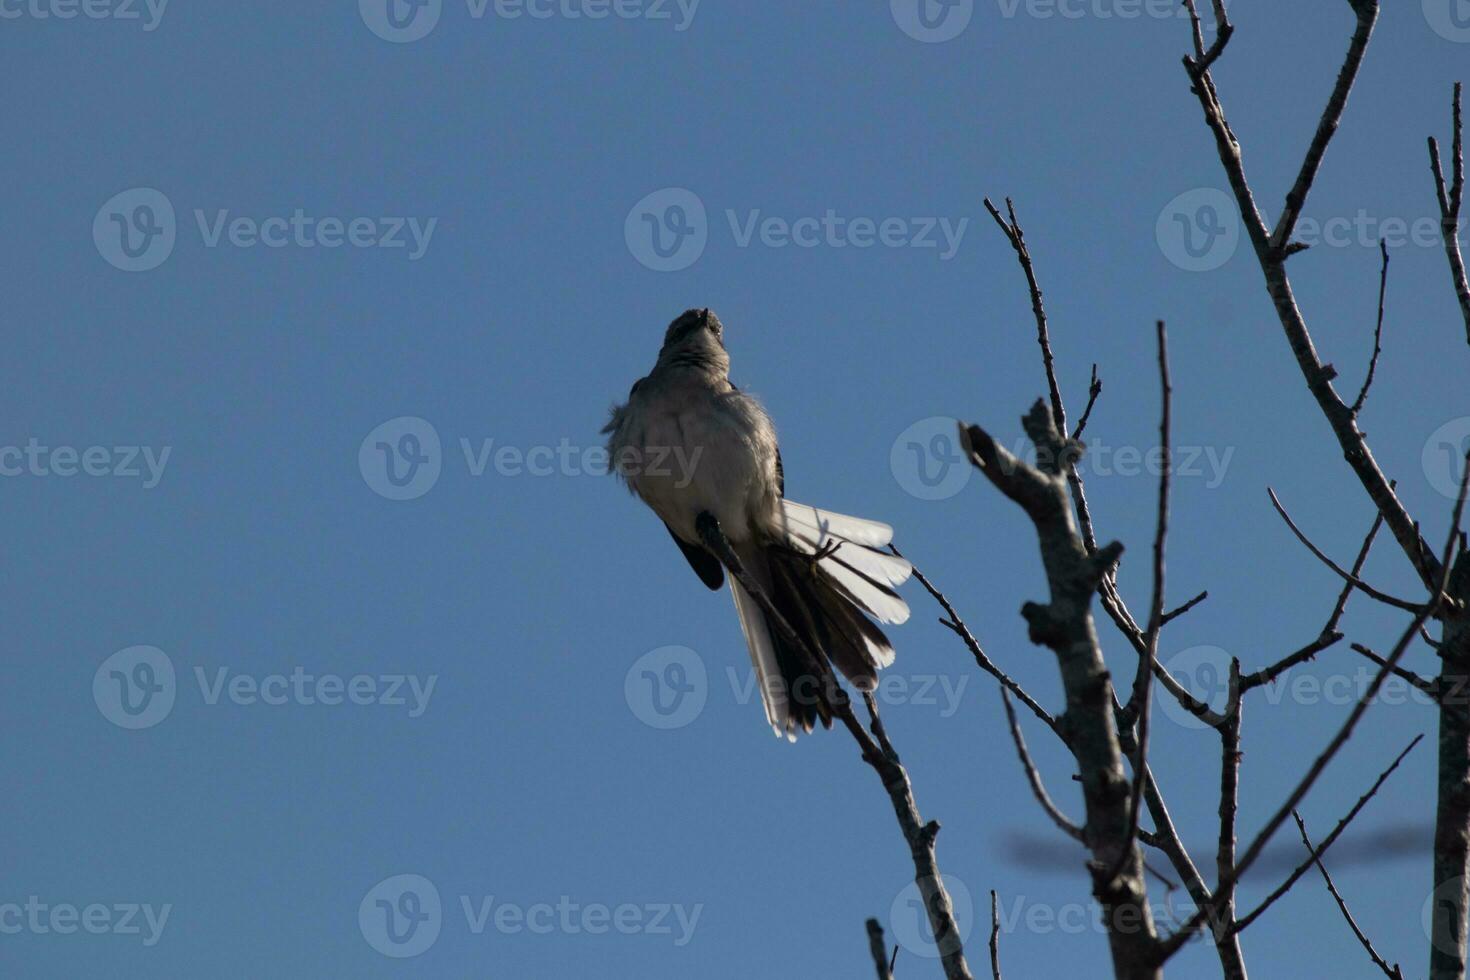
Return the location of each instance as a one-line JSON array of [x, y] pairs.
[[687, 442]]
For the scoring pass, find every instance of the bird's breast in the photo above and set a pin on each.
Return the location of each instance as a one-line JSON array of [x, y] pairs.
[[701, 451]]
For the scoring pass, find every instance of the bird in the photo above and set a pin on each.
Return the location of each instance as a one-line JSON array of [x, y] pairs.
[[693, 446]]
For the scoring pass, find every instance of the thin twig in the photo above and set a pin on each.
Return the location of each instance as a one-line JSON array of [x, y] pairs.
[[1271, 252], [1427, 686], [1393, 972], [1094, 388], [1223, 30], [1140, 701], [1017, 238], [1268, 674], [1226, 887], [1346, 576], [1449, 207], [994, 938], [1296, 198], [1357, 570], [877, 752], [1033, 776], [958, 627], [1327, 841], [1377, 331], [1329, 634], [1174, 614], [1223, 916]]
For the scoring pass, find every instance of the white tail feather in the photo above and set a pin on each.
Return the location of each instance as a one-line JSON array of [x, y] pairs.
[[881, 566], [763, 658], [874, 534], [810, 530]]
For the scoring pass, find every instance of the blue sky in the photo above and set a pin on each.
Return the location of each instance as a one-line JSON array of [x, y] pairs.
[[444, 674]]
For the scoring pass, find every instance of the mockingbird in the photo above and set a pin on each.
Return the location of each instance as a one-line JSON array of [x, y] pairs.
[[822, 571]]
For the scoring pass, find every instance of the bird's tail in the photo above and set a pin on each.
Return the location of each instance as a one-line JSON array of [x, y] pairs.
[[822, 571]]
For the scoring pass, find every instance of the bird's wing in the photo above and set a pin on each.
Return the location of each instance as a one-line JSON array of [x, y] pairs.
[[705, 565]]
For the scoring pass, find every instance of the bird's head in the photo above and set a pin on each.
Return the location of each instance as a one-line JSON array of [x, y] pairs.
[[696, 337]]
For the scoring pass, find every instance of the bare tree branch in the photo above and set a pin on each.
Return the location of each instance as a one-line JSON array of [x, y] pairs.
[[879, 950], [1174, 614], [1065, 625], [1329, 634], [1140, 701], [1357, 570], [1393, 973], [1268, 674], [877, 752], [1328, 841], [1296, 198], [1186, 700], [1348, 577], [1017, 238], [1226, 886], [1377, 331], [1449, 208], [1038, 788], [1451, 912], [1271, 254], [1094, 389], [958, 627], [1428, 687], [1222, 915], [994, 938]]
